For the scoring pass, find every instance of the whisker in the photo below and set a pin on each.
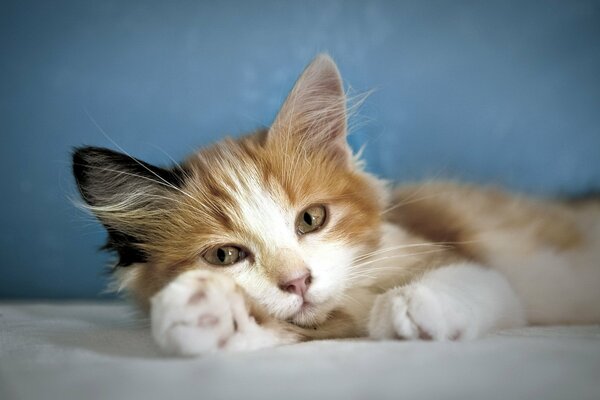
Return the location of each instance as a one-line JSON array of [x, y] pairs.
[[167, 183], [395, 257], [411, 200], [177, 164], [400, 247]]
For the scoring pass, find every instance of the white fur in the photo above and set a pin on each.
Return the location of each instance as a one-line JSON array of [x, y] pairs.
[[330, 265], [185, 325], [457, 302], [264, 216], [328, 262]]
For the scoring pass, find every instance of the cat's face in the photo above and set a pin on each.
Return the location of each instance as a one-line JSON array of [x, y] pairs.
[[285, 212]]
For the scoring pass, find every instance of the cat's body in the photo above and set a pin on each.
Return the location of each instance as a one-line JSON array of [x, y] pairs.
[[280, 236]]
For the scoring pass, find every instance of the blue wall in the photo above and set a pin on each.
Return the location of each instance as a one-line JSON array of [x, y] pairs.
[[505, 92]]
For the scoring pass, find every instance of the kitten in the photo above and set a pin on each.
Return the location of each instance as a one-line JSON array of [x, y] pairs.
[[281, 236]]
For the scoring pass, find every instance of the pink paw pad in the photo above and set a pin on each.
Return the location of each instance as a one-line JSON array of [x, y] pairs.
[[197, 297], [207, 320]]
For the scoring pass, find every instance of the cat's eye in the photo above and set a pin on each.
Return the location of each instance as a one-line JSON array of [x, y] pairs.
[[225, 255], [311, 219]]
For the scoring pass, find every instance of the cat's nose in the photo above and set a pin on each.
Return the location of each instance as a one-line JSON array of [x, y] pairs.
[[297, 285]]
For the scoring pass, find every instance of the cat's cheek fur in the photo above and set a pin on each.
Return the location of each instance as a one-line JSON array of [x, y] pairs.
[[330, 264], [456, 302]]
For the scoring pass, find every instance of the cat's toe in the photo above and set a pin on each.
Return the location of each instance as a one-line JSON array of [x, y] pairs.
[[421, 307], [402, 321], [409, 313], [389, 318]]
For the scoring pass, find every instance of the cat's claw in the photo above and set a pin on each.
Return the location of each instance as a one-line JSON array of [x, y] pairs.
[[201, 312], [413, 313]]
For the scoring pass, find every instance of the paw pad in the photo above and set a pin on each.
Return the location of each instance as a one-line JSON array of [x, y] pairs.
[[207, 320], [197, 297]]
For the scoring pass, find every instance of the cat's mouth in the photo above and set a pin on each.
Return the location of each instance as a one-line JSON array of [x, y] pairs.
[[310, 309], [305, 316], [309, 314], [304, 308]]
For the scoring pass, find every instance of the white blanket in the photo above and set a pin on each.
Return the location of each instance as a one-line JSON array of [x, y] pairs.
[[88, 351]]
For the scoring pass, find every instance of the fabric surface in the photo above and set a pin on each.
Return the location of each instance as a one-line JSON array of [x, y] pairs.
[[104, 351]]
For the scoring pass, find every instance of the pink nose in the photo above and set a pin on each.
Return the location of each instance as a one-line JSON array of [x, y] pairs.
[[298, 285]]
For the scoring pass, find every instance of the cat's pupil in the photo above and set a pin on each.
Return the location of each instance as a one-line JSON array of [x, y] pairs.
[[224, 255], [221, 255], [308, 218]]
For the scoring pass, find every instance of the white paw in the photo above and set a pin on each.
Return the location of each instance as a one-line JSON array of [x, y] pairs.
[[416, 312], [201, 312]]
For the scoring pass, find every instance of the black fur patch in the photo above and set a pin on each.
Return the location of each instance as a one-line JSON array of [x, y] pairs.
[[89, 179], [125, 247]]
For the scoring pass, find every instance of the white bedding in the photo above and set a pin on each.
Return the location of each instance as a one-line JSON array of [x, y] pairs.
[[102, 351]]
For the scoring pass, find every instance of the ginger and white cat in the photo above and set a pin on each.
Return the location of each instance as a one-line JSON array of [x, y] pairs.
[[281, 236]]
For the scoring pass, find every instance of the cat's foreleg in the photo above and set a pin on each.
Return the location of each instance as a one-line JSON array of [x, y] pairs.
[[455, 302], [202, 312]]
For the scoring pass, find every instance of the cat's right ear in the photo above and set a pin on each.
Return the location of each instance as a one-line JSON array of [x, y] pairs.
[[107, 178], [314, 113]]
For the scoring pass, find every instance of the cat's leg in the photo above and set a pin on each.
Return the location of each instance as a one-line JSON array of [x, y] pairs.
[[201, 312], [455, 302]]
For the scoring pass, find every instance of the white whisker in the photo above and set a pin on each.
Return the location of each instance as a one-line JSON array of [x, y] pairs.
[[167, 183]]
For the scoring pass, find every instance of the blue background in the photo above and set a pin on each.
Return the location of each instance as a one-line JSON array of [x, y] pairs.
[[505, 92]]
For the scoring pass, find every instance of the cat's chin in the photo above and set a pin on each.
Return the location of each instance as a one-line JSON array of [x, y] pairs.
[[310, 315]]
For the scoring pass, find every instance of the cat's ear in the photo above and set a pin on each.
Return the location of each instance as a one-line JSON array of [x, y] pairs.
[[314, 113], [125, 194], [106, 178]]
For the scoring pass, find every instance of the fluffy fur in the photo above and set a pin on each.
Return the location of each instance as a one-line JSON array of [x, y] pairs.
[[436, 261]]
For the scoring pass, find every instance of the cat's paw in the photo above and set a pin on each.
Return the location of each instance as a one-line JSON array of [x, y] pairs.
[[415, 313], [201, 312]]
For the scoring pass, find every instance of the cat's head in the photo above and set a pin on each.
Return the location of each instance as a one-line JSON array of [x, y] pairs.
[[284, 211]]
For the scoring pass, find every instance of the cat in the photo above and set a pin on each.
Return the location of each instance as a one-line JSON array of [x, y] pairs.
[[281, 236]]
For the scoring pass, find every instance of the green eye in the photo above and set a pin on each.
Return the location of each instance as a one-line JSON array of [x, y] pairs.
[[311, 219], [224, 255]]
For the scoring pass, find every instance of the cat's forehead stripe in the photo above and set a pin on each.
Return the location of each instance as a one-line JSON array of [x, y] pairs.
[[263, 213]]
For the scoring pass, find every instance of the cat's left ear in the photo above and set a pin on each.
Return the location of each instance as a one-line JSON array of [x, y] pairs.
[[314, 113]]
